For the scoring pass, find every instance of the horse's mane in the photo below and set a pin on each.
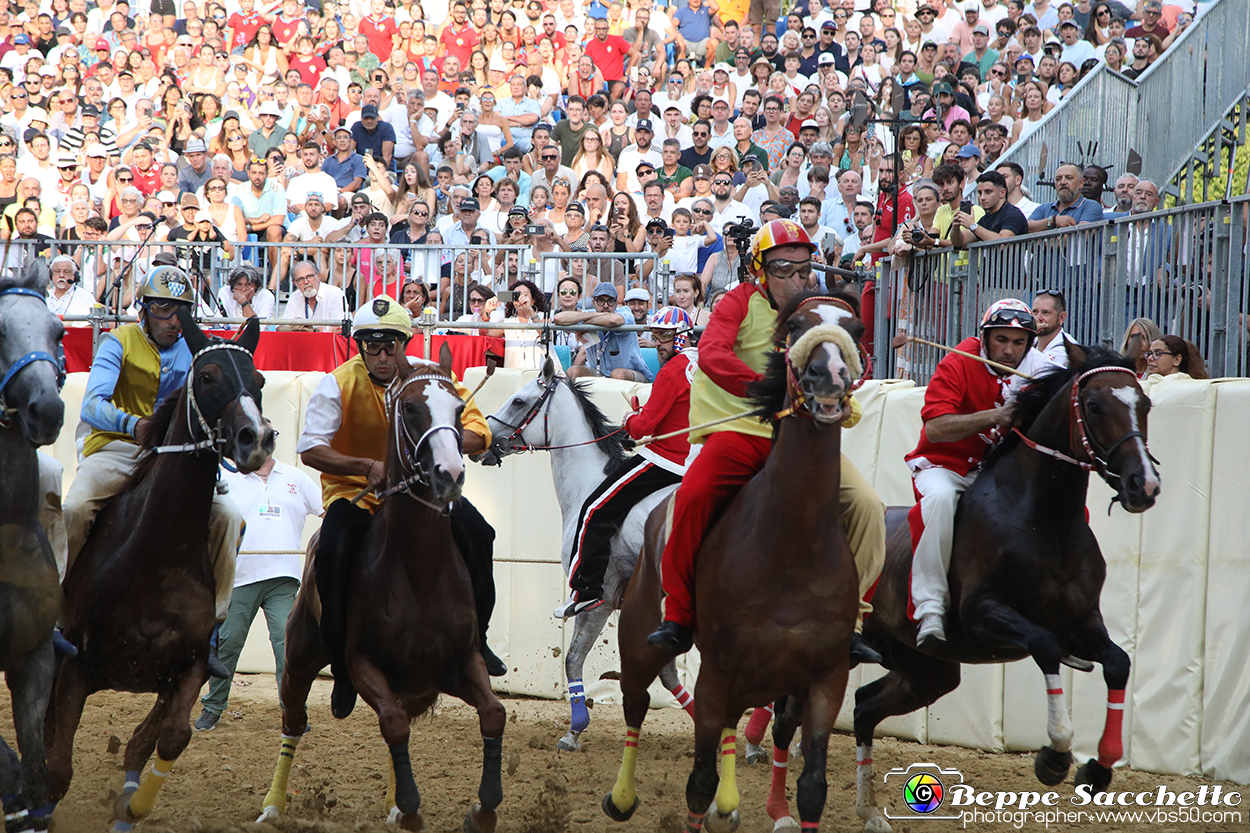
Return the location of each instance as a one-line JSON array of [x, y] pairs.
[[607, 436], [1035, 396], [769, 392]]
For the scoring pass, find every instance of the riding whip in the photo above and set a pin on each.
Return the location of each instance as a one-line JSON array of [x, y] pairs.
[[900, 340]]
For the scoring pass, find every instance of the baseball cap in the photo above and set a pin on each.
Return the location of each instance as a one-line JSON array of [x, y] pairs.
[[644, 124], [47, 71], [231, 114], [825, 59], [97, 151], [91, 110], [926, 8], [722, 67], [672, 106], [1068, 22], [518, 210], [205, 215], [637, 294], [64, 30], [120, 74], [982, 29], [66, 160], [22, 38], [969, 150], [369, 111], [644, 164], [361, 199], [269, 108], [656, 223], [829, 24], [37, 114], [189, 200], [101, 44], [809, 123], [167, 196], [471, 204], [702, 171], [195, 146], [575, 207], [603, 289], [344, 128], [942, 87]]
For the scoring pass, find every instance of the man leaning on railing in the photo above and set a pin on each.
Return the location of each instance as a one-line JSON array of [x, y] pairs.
[[1000, 220], [1071, 207]]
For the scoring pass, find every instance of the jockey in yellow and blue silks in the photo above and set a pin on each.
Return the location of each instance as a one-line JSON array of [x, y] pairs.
[[137, 368]]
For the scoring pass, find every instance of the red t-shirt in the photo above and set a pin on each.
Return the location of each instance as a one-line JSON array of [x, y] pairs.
[[885, 215], [959, 386], [244, 27], [379, 33], [557, 40], [285, 31], [609, 56], [309, 68], [459, 42], [667, 410], [149, 183]]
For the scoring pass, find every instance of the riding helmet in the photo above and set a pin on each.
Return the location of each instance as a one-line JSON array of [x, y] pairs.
[[382, 319], [168, 283], [674, 318], [775, 233]]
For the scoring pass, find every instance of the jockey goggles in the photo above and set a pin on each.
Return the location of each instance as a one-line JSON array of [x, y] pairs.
[[787, 269]]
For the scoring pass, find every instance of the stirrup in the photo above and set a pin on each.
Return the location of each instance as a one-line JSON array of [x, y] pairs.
[[932, 630], [572, 607]]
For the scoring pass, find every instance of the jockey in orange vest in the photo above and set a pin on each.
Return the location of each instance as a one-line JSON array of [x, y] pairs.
[[733, 353]]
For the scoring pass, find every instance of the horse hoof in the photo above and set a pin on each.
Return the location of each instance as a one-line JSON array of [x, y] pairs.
[[478, 820], [1094, 775], [269, 813], [1051, 767], [393, 816], [569, 743], [877, 824], [717, 823], [411, 821], [755, 753], [787, 823], [609, 807]]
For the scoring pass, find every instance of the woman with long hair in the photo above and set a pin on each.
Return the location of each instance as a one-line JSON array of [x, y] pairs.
[[522, 348], [265, 56], [1113, 55], [1033, 107], [624, 227], [725, 160], [561, 192], [791, 172], [478, 64], [893, 52], [227, 217], [331, 38], [492, 125], [8, 175], [590, 156], [414, 184], [688, 295], [761, 71], [996, 112], [850, 151], [205, 77], [1097, 30], [618, 135], [1175, 357], [236, 149], [826, 129], [1138, 336], [915, 154]]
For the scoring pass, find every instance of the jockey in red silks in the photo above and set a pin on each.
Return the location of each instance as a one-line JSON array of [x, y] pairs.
[[733, 352]]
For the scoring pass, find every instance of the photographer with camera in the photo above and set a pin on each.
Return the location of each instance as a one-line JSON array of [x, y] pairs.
[[950, 182]]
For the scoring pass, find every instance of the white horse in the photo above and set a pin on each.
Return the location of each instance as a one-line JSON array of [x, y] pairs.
[[556, 414]]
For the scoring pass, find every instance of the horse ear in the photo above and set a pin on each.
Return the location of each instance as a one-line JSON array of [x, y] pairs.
[[444, 359], [1076, 354], [36, 275], [196, 340], [549, 369], [250, 336]]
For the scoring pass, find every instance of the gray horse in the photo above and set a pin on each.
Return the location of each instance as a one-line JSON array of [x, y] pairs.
[[31, 414], [553, 411]]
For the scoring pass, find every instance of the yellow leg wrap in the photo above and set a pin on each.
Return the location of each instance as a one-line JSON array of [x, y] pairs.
[[390, 786], [625, 791], [727, 791], [144, 799], [281, 773]]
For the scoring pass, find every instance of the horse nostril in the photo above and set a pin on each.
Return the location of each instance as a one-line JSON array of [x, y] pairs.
[[1136, 483], [246, 437]]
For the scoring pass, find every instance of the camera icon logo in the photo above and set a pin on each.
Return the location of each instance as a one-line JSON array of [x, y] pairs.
[[923, 787]]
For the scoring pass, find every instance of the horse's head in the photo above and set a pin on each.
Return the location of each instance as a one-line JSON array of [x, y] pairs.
[[1109, 411], [224, 393], [524, 420], [32, 363], [425, 410], [820, 333]]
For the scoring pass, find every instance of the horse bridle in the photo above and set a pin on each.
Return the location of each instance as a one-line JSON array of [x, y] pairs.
[[549, 388], [799, 405], [410, 450], [1099, 458], [212, 440], [29, 359]]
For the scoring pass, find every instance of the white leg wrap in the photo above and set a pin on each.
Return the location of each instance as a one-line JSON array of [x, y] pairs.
[[1058, 720]]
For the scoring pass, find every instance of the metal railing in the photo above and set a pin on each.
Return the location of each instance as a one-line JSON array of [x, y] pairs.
[[1186, 268], [1165, 116]]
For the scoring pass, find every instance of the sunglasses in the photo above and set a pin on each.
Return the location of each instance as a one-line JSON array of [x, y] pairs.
[[701, 211], [568, 293], [377, 348], [125, 179]]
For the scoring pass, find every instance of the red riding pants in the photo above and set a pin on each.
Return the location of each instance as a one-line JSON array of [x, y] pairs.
[[726, 463]]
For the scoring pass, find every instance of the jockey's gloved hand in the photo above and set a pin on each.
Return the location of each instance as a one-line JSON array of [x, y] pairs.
[[633, 403], [628, 444]]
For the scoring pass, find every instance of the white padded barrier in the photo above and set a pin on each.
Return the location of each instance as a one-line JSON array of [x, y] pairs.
[[1177, 578]]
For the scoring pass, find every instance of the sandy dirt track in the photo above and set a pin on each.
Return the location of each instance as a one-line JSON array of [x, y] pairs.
[[339, 778]]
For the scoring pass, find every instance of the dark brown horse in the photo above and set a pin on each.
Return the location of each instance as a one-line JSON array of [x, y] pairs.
[[776, 585], [1026, 573], [31, 414], [411, 624], [139, 599]]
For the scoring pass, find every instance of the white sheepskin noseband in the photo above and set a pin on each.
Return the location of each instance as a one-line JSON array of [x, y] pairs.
[[801, 350]]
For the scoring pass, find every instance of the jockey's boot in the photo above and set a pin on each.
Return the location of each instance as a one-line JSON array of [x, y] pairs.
[[932, 630], [215, 668], [676, 638], [62, 648], [494, 665], [575, 605], [861, 651]]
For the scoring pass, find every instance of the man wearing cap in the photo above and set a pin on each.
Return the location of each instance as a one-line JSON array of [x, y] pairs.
[[981, 55], [946, 101], [89, 123], [67, 170], [1076, 49], [312, 226], [609, 354], [345, 438], [15, 61], [373, 136], [193, 170], [466, 226], [702, 180], [268, 136], [345, 165], [354, 229], [721, 130], [961, 32]]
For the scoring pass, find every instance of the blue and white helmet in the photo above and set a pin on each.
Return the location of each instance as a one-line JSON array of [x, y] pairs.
[[677, 319]]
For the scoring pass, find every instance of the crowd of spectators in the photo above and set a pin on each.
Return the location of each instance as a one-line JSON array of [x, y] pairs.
[[540, 125]]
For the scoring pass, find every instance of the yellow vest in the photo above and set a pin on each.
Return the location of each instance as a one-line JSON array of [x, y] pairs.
[[137, 384], [709, 401], [364, 429]]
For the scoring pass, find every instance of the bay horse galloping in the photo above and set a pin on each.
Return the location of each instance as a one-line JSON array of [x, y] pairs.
[[31, 415], [411, 622], [777, 589], [140, 595], [1026, 572], [552, 413]]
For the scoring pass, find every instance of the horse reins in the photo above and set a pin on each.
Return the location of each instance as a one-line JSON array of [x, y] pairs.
[[798, 400], [549, 388], [1099, 459], [28, 359]]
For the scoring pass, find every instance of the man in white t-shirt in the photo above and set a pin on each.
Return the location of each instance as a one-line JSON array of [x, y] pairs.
[[314, 299], [275, 500], [313, 226], [312, 179]]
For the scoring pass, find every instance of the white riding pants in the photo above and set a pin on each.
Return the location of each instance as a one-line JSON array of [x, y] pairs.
[[50, 516], [939, 496], [99, 480]]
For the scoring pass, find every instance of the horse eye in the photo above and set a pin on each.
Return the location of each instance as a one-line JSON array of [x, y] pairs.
[[205, 377], [1093, 407], [518, 402]]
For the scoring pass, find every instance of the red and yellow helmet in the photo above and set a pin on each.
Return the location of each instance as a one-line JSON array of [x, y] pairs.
[[775, 233]]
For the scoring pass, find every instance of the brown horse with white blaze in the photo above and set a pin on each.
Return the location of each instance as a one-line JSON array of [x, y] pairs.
[[1026, 573], [775, 582], [412, 630], [139, 599]]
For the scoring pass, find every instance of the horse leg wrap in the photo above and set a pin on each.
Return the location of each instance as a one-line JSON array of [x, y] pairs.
[[809, 826], [282, 772], [144, 799], [1058, 719], [694, 822], [777, 806], [683, 698], [624, 791], [130, 781], [727, 791], [490, 793], [757, 725], [1111, 746], [407, 797], [865, 799], [16, 816], [577, 700]]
